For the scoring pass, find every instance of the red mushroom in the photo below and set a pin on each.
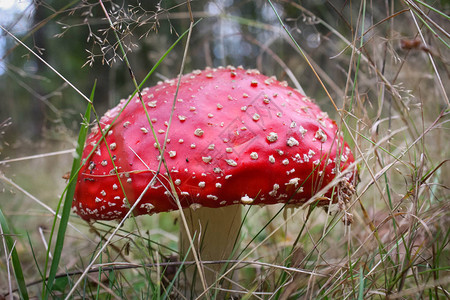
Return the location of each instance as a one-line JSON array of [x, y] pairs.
[[237, 137]]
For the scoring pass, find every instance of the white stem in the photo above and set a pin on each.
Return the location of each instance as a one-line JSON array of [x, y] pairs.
[[214, 231]]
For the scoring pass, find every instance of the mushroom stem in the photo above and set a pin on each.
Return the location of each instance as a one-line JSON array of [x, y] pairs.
[[215, 231]]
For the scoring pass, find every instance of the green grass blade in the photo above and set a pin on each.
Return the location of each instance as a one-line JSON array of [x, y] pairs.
[[172, 283], [69, 197], [14, 257], [162, 58], [35, 258], [358, 61], [129, 99], [361, 284], [433, 9], [424, 22]]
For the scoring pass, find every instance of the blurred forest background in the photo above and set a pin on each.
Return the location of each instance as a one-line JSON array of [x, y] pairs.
[[74, 38], [384, 63]]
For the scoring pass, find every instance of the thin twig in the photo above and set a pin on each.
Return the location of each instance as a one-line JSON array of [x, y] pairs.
[[43, 155]]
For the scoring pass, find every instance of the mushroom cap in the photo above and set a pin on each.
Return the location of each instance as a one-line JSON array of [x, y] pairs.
[[236, 136]]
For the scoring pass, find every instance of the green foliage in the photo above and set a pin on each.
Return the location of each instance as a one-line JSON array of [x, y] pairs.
[[67, 205], [12, 252]]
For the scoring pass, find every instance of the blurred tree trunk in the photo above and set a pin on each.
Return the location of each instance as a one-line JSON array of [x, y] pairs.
[[37, 105]]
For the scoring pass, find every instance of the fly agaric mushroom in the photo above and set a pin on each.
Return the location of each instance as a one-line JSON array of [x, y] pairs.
[[237, 137]]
